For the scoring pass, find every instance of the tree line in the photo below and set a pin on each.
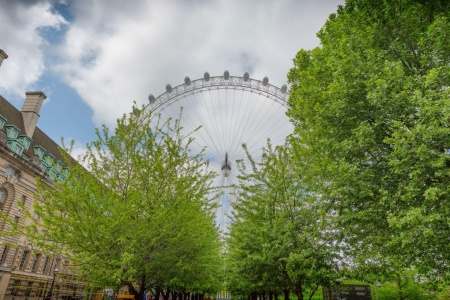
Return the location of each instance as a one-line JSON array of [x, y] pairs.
[[360, 190], [139, 217]]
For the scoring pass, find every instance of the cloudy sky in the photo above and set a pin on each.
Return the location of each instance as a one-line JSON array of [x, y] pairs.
[[92, 58]]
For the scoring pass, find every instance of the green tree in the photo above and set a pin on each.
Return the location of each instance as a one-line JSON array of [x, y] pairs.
[[140, 216], [371, 108], [277, 241]]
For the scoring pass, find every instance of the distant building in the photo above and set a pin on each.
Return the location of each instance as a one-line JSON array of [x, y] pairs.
[[26, 152]]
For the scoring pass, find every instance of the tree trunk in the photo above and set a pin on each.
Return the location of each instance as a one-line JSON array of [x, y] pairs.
[[157, 292], [313, 291], [400, 287], [270, 295], [286, 294], [166, 294], [299, 291], [276, 295], [138, 294]]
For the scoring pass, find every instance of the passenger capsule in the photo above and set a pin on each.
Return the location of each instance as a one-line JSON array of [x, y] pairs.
[[284, 89], [151, 99], [206, 76], [187, 80], [226, 75], [265, 81], [246, 76], [169, 88]]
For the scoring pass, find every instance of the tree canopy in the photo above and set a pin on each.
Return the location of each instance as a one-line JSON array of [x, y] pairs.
[[371, 109], [363, 182], [277, 241], [140, 216]]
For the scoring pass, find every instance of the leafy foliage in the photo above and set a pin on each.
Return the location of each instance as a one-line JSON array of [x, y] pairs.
[[371, 108], [140, 217], [277, 241]]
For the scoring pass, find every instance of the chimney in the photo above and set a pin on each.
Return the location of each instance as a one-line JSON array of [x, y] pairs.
[[30, 111], [3, 56]]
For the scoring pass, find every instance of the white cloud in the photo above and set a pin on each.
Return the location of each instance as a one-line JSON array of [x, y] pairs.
[[116, 53], [21, 40]]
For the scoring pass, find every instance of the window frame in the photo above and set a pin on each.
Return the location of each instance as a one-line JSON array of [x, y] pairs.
[[2, 121], [12, 132]]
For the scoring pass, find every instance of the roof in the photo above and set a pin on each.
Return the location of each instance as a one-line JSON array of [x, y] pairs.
[[14, 117]]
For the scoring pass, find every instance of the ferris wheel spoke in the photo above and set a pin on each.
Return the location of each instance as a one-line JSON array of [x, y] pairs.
[[277, 140], [267, 130], [238, 124], [245, 119], [214, 117], [188, 123], [209, 139], [244, 134]]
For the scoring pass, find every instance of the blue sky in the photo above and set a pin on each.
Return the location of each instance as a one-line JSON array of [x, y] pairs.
[[94, 58]]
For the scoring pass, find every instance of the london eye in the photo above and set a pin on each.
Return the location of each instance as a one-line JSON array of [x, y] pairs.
[[229, 111]]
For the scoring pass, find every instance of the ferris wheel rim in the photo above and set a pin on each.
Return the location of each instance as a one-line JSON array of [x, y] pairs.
[[245, 83]]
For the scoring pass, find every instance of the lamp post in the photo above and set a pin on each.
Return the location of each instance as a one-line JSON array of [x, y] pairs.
[[375, 285], [50, 293]]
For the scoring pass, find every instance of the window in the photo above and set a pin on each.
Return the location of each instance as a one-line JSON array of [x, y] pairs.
[[13, 134], [16, 219], [47, 260], [49, 158], [12, 131], [51, 173], [40, 290], [36, 263], [29, 288], [2, 121], [59, 166], [23, 260], [25, 140], [36, 216], [58, 264], [24, 199], [43, 166], [15, 288], [39, 151], [4, 254], [17, 148], [61, 178]]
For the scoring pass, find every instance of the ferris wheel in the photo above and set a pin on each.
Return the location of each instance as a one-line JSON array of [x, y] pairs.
[[230, 111]]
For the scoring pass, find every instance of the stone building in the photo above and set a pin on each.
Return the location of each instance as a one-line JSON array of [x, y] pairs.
[[26, 152]]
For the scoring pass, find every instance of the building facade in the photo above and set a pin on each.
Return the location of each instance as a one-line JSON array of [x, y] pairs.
[[26, 152]]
